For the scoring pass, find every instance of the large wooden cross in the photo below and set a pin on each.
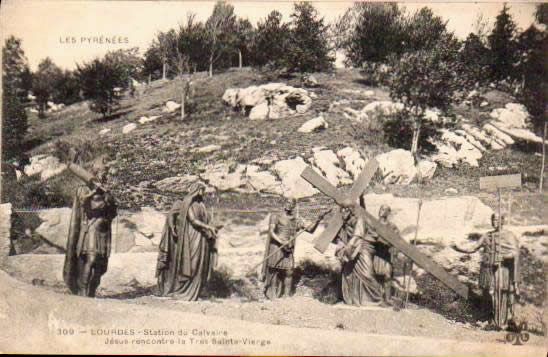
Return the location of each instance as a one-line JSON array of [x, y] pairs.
[[347, 199]]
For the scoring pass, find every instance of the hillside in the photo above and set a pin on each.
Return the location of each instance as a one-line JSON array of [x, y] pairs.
[[169, 147]]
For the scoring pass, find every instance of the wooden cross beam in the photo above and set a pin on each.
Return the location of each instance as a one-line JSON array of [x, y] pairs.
[[336, 222]]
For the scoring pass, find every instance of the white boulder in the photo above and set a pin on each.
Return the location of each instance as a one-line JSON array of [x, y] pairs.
[[272, 100], [397, 167], [426, 169], [385, 106], [45, 165], [171, 106], [207, 148], [259, 112], [104, 131], [129, 128], [313, 125], [353, 162], [293, 185], [328, 163], [145, 119]]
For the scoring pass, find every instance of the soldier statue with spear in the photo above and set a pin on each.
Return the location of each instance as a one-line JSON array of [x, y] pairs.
[[279, 262]]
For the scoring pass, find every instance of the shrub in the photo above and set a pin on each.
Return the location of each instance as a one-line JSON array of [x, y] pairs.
[[398, 130]]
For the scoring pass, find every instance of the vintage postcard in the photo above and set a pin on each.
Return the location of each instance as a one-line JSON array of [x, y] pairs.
[[273, 178]]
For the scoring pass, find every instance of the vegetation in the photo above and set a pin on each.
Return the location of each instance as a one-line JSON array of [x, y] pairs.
[[14, 92]]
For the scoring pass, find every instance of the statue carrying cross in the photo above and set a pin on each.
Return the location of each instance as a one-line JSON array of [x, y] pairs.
[[349, 199]]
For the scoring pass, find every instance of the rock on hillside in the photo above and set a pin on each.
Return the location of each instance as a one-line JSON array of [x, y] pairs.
[[268, 101], [44, 165]]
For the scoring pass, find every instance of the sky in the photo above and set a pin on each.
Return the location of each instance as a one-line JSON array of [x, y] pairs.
[[70, 32]]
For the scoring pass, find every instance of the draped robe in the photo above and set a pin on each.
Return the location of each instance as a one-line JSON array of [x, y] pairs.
[[358, 283], [186, 255]]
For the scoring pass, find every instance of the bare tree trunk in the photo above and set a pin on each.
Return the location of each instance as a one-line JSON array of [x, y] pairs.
[[210, 67], [416, 134], [164, 70], [239, 58], [543, 157]]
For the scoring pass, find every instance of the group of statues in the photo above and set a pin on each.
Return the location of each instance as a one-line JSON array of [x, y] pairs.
[[187, 253]]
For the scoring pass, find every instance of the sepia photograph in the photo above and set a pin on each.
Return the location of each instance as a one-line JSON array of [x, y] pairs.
[[289, 178]]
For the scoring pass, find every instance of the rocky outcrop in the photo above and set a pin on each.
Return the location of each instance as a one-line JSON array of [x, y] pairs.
[[353, 162], [44, 165], [329, 165], [454, 149], [292, 184], [397, 167], [268, 101]]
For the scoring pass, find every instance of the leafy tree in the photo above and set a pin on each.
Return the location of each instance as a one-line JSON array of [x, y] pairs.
[[128, 61], [376, 31], [189, 50], [533, 70], [541, 13], [476, 61], [15, 68], [424, 30], [191, 43], [159, 54], [98, 79], [14, 118], [45, 83], [503, 45], [68, 89], [308, 49], [271, 40], [243, 40], [425, 79], [219, 30]]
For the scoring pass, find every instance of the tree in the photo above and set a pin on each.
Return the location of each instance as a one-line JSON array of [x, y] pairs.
[[98, 79], [128, 61], [68, 89], [45, 84], [424, 30], [243, 39], [14, 118], [219, 30], [308, 49], [503, 45], [190, 44], [373, 32], [476, 60], [425, 79], [271, 40]]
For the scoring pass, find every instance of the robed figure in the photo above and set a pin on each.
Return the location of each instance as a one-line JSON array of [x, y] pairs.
[[356, 250], [187, 253], [384, 255], [499, 276], [89, 240]]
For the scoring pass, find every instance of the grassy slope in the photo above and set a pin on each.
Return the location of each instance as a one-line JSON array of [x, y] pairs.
[[162, 148]]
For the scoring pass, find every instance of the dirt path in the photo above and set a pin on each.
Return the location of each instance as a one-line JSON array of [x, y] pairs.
[[35, 320], [299, 311]]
